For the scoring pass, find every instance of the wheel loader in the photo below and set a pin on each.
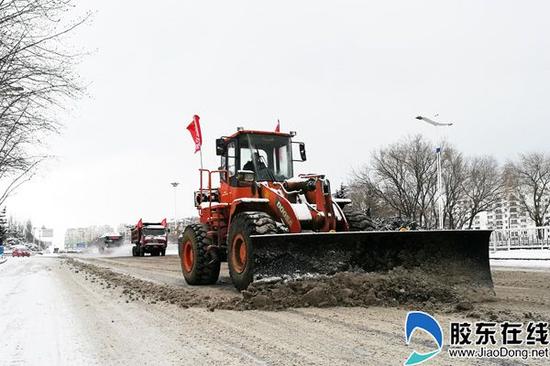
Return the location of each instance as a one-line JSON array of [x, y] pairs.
[[266, 222]]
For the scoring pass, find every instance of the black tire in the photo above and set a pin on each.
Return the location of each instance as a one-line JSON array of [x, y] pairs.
[[243, 225], [357, 219], [134, 251], [163, 252], [141, 251], [197, 265]]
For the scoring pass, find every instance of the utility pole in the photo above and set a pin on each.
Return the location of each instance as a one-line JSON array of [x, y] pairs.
[[439, 174]]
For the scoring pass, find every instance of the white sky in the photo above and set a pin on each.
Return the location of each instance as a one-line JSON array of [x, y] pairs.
[[348, 76]]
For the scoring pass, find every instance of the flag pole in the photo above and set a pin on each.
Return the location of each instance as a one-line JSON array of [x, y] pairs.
[[195, 130]]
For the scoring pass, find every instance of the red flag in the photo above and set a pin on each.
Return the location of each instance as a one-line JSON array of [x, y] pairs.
[[163, 223], [278, 127], [195, 130], [140, 223]]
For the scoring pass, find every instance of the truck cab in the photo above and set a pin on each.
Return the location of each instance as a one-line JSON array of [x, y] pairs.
[[149, 237]]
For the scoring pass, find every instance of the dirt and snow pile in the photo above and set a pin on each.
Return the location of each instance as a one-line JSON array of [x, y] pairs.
[[137, 289], [394, 288], [398, 287]]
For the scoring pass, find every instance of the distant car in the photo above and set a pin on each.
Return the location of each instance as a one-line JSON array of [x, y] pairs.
[[20, 253]]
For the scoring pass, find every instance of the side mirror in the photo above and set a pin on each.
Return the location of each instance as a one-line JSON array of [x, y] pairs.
[[220, 147], [246, 176], [301, 150]]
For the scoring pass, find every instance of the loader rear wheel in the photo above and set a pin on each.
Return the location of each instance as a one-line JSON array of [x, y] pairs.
[[197, 265], [357, 219], [240, 251]]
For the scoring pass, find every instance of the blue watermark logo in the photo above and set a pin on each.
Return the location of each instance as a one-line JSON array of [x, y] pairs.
[[427, 323]]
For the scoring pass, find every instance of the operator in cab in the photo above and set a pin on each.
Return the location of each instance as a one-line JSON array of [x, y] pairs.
[[250, 164]]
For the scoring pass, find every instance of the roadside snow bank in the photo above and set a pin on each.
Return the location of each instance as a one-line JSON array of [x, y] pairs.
[[524, 258], [521, 254], [528, 264]]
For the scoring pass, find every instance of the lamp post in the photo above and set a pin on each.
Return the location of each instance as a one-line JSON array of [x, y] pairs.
[[439, 176], [175, 185]]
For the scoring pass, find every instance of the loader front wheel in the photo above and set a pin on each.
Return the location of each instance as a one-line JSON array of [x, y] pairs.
[[240, 251], [197, 265]]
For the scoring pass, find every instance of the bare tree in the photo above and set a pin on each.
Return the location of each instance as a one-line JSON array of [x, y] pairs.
[[454, 173], [365, 196], [36, 77], [529, 180], [402, 178], [483, 188]]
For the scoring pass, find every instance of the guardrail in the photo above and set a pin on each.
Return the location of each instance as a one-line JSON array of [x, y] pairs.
[[524, 238]]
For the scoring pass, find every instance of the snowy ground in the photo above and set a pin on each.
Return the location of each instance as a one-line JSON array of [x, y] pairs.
[[53, 314]]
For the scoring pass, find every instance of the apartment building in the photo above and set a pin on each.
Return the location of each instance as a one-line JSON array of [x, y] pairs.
[[506, 214]]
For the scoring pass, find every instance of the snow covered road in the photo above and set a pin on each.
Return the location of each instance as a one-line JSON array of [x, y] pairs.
[[51, 315]]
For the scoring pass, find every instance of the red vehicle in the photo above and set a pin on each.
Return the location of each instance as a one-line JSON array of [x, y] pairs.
[[149, 237], [19, 252]]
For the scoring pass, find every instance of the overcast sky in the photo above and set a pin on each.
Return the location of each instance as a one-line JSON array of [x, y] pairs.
[[348, 76]]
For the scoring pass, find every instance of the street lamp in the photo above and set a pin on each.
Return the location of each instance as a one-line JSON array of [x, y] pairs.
[[439, 177], [175, 185]]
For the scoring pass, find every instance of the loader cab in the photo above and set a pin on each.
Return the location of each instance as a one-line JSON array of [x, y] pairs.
[[267, 154]]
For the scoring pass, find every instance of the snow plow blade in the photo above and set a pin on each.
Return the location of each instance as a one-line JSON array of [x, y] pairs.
[[462, 255]]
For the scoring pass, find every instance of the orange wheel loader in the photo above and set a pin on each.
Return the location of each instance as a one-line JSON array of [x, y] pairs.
[[266, 222]]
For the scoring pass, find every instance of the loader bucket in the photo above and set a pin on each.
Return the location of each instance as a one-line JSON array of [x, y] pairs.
[[460, 256]]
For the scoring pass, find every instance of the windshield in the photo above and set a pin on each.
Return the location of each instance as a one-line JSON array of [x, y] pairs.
[[268, 156], [154, 232]]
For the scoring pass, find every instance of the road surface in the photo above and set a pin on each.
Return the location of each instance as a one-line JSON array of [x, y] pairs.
[[53, 315]]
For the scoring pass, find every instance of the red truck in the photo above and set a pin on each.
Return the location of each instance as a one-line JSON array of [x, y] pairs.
[[149, 237]]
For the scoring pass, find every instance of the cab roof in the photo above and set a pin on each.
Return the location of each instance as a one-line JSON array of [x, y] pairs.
[[255, 132]]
